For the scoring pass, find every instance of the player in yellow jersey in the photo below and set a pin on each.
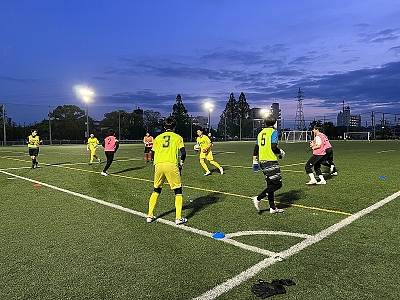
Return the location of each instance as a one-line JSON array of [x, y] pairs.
[[167, 164], [33, 146], [205, 152], [92, 144], [267, 151]]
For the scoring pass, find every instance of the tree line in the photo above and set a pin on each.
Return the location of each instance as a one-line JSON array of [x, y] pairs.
[[68, 122]]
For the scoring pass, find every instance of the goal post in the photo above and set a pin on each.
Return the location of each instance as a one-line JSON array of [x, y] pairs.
[[295, 136], [359, 136]]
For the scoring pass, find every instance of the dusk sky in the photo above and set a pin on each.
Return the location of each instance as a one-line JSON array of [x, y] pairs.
[[143, 53]]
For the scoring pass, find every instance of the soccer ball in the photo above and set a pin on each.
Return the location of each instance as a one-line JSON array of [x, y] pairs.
[[196, 147]]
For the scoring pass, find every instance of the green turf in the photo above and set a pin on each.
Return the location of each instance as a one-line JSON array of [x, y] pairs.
[[55, 245]]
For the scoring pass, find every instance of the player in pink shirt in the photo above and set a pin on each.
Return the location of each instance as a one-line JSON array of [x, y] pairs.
[[110, 145], [318, 146]]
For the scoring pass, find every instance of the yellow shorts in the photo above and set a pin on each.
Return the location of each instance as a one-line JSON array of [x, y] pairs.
[[169, 171], [208, 155]]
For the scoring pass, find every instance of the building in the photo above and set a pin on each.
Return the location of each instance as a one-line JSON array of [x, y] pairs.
[[345, 119]]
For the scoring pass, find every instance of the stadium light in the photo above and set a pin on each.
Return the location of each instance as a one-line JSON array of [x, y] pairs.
[[86, 95], [209, 106]]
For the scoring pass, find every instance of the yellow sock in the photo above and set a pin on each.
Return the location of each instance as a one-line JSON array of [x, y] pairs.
[[178, 206], [152, 203], [203, 164], [215, 164]]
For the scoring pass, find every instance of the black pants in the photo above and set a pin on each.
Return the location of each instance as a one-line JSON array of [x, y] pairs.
[[328, 159], [110, 158], [314, 161], [273, 177]]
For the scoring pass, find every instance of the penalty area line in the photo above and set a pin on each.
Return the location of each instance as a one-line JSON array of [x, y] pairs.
[[254, 270]]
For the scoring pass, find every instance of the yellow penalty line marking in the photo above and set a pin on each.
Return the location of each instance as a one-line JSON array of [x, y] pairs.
[[384, 151], [200, 189]]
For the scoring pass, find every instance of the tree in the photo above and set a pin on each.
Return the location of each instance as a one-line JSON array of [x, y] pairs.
[[130, 124], [315, 123], [230, 117], [69, 122], [180, 113], [243, 113], [152, 121], [330, 130]]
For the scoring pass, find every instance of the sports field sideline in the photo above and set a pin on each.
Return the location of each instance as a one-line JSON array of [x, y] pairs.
[[70, 233]]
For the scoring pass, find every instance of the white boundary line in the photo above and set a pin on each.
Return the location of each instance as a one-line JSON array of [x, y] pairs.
[[251, 272]]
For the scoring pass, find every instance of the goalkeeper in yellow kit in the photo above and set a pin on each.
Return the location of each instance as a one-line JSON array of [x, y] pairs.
[[205, 152], [92, 144]]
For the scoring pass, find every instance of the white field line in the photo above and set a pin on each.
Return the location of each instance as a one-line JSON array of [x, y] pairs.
[[140, 214], [254, 270]]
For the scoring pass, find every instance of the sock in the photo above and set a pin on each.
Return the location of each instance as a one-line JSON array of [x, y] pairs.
[[147, 156], [178, 206], [203, 164], [321, 177], [312, 178], [152, 203]]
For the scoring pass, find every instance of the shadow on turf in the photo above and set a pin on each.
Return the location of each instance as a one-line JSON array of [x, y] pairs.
[[127, 170], [285, 199], [195, 205]]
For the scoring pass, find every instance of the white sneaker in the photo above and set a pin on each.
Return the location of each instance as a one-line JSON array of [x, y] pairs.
[[180, 221], [257, 204], [104, 173], [276, 210], [334, 173], [221, 171], [150, 219], [311, 182], [321, 182], [208, 173]]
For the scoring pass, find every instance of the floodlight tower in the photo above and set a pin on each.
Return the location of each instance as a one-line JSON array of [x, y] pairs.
[[299, 122]]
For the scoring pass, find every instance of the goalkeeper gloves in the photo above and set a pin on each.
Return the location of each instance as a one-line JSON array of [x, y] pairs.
[[256, 166], [282, 155]]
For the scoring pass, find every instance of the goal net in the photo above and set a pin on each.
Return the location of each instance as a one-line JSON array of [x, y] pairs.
[[296, 136], [360, 136]]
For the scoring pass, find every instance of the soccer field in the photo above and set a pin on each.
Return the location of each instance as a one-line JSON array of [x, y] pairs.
[[69, 233]]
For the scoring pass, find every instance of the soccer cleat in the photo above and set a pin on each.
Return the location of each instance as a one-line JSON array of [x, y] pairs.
[[334, 173], [311, 182], [207, 173], [257, 203], [89, 163], [99, 161], [321, 182], [33, 166], [150, 219], [221, 171], [104, 173], [180, 221], [276, 210]]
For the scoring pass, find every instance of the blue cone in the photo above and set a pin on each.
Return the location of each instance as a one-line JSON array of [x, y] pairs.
[[382, 177], [218, 235]]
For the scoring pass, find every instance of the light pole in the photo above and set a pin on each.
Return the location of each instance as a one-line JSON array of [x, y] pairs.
[[209, 106], [86, 94], [50, 126]]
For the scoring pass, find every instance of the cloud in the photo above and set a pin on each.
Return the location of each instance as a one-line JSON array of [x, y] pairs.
[[19, 80], [381, 36]]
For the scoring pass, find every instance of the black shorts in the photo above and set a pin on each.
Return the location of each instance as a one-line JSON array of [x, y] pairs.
[[33, 151], [147, 149], [272, 171]]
